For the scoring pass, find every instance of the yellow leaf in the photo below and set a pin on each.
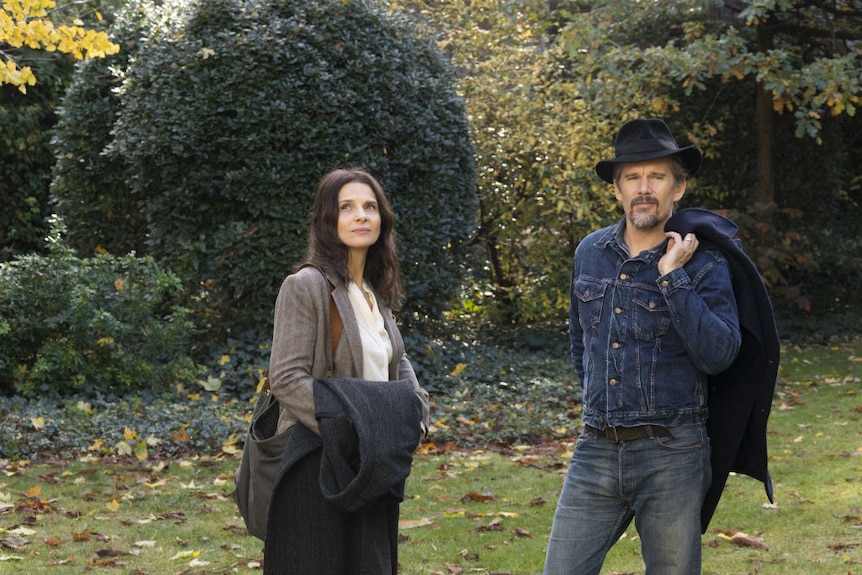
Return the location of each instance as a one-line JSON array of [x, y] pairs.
[[34, 491], [458, 369], [141, 452], [120, 284], [158, 483], [37, 422], [412, 523], [231, 444], [130, 434], [441, 423], [212, 383], [96, 445], [186, 554], [223, 359], [113, 505]]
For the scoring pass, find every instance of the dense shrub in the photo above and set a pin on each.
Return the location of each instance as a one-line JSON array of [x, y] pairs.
[[26, 123], [213, 128], [155, 424], [102, 324], [488, 385], [91, 188]]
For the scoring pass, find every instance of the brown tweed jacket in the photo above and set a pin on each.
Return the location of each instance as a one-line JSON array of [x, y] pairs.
[[301, 346]]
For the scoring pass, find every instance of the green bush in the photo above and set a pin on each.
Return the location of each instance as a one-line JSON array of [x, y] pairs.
[[26, 122], [91, 189], [171, 425], [100, 325], [223, 116]]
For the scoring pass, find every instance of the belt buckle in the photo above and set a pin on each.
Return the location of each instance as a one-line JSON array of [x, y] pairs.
[[616, 438]]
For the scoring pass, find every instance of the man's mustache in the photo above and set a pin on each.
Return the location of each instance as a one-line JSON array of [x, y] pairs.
[[644, 200]]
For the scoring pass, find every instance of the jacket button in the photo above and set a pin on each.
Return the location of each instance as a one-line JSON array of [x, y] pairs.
[[613, 382]]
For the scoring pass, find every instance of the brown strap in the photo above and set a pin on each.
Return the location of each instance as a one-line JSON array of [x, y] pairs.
[[335, 323]]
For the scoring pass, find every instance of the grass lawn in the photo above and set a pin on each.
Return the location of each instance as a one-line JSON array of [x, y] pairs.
[[468, 511]]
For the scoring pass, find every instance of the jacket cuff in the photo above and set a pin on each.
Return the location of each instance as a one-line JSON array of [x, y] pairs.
[[673, 281]]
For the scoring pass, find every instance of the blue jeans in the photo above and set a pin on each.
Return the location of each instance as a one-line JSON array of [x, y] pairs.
[[658, 482]]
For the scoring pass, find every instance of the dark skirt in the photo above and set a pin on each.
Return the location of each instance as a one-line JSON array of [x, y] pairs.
[[307, 536]]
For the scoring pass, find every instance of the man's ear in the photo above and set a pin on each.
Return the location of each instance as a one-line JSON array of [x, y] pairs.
[[680, 191]]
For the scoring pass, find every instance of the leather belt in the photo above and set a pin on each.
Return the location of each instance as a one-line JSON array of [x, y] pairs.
[[621, 434]]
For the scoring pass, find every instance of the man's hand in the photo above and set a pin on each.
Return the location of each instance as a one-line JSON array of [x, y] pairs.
[[679, 251]]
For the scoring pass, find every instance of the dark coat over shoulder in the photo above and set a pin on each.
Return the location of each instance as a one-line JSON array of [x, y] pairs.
[[740, 397]]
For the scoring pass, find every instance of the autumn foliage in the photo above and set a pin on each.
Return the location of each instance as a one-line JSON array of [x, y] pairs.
[[27, 23]]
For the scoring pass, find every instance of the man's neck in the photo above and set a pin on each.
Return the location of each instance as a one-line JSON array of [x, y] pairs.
[[642, 240]]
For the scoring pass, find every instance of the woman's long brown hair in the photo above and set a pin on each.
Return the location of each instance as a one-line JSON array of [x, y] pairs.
[[327, 252]]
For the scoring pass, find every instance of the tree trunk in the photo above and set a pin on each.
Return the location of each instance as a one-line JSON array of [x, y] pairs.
[[764, 205]]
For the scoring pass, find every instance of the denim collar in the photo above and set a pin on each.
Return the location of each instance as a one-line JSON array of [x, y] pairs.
[[613, 238]]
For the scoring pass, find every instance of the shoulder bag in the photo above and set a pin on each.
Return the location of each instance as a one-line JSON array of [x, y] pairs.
[[261, 455]]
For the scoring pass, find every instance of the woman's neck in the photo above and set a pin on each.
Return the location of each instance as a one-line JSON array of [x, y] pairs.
[[356, 268]]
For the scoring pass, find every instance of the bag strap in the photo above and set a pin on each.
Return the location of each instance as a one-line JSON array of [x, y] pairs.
[[336, 326]]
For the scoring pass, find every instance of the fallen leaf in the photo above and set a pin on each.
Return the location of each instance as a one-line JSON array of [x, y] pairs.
[[413, 523], [743, 539], [111, 553], [473, 496]]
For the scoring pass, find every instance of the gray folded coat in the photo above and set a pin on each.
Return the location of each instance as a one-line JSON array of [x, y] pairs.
[[369, 431]]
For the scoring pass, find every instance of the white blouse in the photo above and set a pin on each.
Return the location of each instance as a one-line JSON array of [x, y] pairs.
[[376, 346]]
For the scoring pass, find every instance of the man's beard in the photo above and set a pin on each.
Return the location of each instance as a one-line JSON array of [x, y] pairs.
[[643, 221]]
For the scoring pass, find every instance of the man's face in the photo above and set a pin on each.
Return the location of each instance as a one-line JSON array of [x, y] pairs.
[[648, 191]]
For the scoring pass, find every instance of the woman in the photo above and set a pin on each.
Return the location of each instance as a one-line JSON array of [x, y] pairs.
[[350, 277]]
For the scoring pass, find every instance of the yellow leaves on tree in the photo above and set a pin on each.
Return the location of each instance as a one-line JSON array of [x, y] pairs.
[[27, 23]]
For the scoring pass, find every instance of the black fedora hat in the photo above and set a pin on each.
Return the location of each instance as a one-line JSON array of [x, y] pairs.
[[640, 140]]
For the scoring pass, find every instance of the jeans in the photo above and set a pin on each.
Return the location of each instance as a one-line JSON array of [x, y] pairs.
[[659, 482]]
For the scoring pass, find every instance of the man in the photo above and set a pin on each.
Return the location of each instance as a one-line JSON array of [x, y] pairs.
[[651, 318]]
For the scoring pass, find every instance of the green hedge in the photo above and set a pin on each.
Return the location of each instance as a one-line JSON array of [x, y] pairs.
[[88, 326], [202, 142]]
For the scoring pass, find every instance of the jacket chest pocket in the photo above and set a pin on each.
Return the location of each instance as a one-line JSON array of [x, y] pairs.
[[650, 316], [591, 297]]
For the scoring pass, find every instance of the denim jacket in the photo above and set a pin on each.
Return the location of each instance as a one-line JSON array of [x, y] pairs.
[[644, 344]]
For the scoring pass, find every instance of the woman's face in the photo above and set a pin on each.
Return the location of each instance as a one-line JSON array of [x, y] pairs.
[[358, 216]]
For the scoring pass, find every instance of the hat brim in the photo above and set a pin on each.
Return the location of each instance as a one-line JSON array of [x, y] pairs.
[[689, 156]]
